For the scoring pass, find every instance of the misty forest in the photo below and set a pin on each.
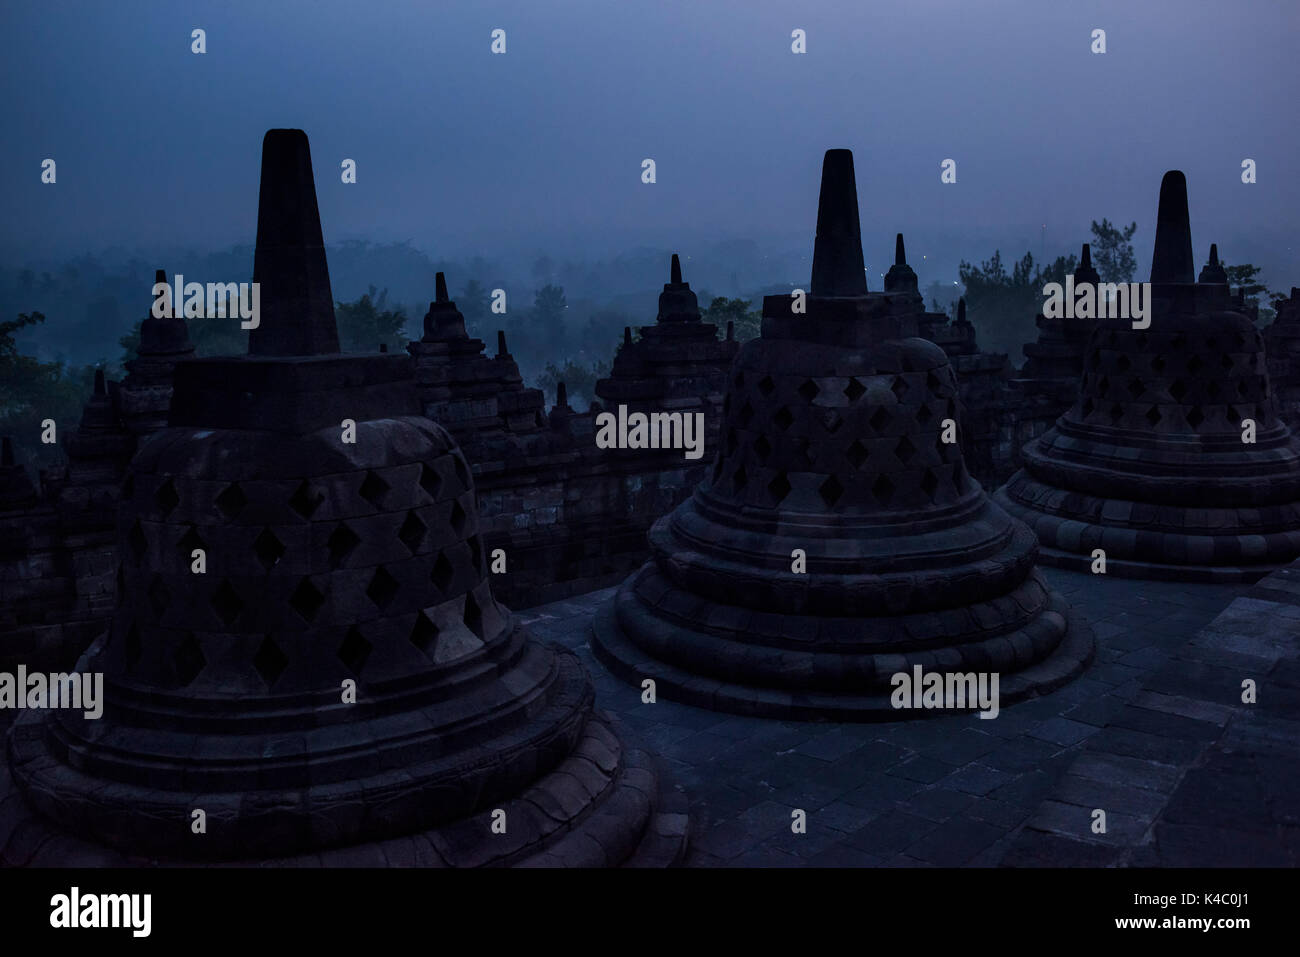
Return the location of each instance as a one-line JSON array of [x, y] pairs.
[[563, 321]]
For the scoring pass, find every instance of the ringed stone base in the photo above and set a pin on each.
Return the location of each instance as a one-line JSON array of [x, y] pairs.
[[604, 805], [1136, 545], [625, 631]]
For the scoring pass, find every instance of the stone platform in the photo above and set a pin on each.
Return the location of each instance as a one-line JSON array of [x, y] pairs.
[[954, 790]]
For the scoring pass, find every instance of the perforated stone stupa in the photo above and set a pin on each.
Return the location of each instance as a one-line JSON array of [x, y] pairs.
[[832, 446], [1151, 465], [328, 564]]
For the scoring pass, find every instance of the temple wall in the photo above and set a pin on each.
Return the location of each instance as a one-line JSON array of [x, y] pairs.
[[56, 591], [578, 524]]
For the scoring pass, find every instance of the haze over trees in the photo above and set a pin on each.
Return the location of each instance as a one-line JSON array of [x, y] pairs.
[[1002, 305], [564, 320], [32, 391]]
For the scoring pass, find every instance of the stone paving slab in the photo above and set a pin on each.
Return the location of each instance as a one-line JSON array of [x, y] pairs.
[[944, 791], [1187, 772]]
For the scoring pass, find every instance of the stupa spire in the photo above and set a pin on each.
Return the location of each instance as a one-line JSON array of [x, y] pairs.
[[1213, 271], [1172, 262], [1084, 272], [296, 304], [677, 303], [901, 277], [838, 269], [443, 320]]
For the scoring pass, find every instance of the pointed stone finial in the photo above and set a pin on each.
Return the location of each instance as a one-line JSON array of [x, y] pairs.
[[7, 452], [901, 277], [561, 394], [1213, 271], [627, 335], [297, 306], [383, 347], [961, 309], [1172, 262], [166, 336], [731, 330], [677, 303], [1084, 273], [838, 269], [98, 413], [443, 321], [160, 276], [501, 343]]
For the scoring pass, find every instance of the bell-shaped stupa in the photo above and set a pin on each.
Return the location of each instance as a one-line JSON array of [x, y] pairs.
[[1173, 463], [839, 540], [307, 649]]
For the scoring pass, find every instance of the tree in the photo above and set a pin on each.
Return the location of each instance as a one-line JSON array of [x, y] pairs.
[[579, 381], [1002, 305], [942, 298], [748, 324], [1112, 251], [603, 330], [366, 324], [32, 391], [549, 306], [1246, 278], [475, 304]]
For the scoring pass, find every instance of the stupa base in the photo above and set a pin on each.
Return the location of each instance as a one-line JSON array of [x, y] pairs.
[[605, 805], [632, 663], [1211, 559]]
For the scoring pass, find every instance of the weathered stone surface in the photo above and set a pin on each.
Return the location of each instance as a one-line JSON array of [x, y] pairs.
[[1190, 774]]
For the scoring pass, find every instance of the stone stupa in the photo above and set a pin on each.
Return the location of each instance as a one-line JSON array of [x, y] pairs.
[[329, 565], [832, 446], [482, 401], [1151, 466], [677, 365], [146, 392]]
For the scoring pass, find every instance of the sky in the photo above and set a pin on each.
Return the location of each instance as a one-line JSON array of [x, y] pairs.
[[465, 152]]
